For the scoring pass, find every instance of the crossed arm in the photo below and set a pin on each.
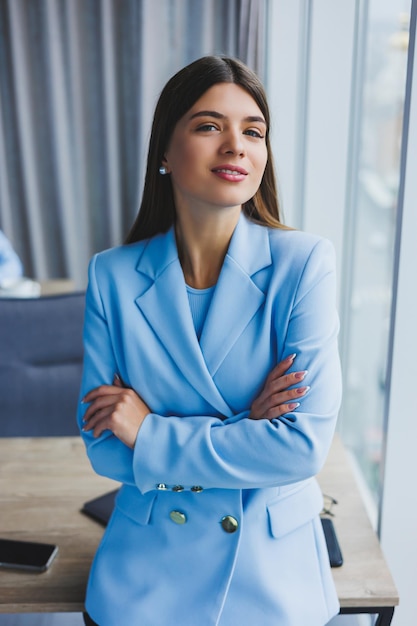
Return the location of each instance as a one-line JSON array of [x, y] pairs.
[[122, 411]]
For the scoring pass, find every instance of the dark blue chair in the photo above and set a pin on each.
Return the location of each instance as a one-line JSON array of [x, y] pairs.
[[41, 352]]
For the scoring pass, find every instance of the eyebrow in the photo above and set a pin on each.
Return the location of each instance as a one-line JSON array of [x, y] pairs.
[[220, 116]]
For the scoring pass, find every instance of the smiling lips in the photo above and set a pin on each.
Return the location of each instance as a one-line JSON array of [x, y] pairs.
[[230, 172]]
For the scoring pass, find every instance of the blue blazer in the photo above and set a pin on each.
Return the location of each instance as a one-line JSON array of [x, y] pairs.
[[216, 523]]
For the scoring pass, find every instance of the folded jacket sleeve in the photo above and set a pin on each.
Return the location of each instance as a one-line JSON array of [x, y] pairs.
[[108, 455]]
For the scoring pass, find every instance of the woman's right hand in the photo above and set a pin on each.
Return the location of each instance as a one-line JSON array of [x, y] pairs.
[[117, 408], [276, 398]]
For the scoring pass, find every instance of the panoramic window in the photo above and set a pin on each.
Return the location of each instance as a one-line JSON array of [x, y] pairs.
[[372, 210]]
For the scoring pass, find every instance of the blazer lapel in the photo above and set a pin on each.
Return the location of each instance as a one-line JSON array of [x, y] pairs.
[[235, 301], [166, 308], [236, 298]]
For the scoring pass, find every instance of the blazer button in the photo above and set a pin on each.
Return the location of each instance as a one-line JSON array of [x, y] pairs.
[[229, 524], [178, 488], [178, 517], [197, 489], [161, 486]]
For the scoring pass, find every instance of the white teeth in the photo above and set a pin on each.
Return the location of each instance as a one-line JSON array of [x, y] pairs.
[[232, 172]]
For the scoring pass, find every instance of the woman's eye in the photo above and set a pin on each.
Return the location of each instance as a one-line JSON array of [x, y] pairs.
[[207, 127], [252, 132]]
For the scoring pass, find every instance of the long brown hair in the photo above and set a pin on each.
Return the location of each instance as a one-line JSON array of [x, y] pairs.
[[157, 210]]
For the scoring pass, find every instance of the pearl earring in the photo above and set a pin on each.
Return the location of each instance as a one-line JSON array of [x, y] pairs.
[[163, 170]]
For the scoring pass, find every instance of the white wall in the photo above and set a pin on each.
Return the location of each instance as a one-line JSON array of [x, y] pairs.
[[398, 520]]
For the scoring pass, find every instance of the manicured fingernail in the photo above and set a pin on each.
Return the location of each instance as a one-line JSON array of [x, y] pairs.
[[291, 357], [293, 405], [302, 390], [301, 375]]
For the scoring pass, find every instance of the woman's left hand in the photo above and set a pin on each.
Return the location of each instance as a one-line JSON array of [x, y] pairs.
[[278, 395], [116, 408]]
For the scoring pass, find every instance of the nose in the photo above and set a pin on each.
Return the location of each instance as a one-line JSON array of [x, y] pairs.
[[233, 143]]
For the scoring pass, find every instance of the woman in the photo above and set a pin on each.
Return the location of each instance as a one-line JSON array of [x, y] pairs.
[[198, 337]]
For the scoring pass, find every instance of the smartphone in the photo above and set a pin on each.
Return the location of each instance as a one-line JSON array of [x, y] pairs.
[[26, 555], [332, 542]]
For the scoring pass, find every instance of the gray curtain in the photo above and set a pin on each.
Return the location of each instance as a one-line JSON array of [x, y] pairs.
[[78, 83]]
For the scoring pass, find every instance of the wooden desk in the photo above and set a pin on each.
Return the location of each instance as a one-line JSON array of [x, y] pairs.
[[43, 484], [364, 583], [56, 286], [45, 481], [28, 288]]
